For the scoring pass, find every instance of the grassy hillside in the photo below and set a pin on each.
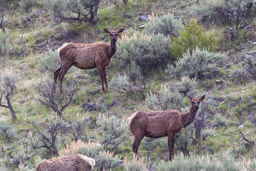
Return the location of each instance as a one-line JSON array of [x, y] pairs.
[[179, 50]]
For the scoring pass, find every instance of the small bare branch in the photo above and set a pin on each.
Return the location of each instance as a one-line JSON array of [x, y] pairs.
[[56, 101], [244, 138]]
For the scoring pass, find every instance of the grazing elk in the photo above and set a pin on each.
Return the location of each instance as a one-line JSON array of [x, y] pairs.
[[156, 124], [67, 163], [87, 56]]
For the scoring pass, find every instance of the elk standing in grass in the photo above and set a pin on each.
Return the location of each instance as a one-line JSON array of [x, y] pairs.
[[87, 56], [156, 124], [67, 163]]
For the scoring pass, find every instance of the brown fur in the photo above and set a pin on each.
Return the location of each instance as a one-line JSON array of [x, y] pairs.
[[156, 124], [86, 56], [67, 163]]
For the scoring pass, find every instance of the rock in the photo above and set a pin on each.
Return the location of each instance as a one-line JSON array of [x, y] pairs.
[[218, 81], [116, 103], [253, 43], [142, 26], [241, 126], [143, 18], [41, 12], [105, 106], [89, 106], [101, 100], [252, 119]]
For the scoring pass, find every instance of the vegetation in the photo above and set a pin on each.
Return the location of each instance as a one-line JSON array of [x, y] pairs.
[[75, 11], [56, 101], [49, 63], [165, 24], [163, 55], [3, 43], [193, 36], [7, 91], [196, 64], [236, 12], [141, 53]]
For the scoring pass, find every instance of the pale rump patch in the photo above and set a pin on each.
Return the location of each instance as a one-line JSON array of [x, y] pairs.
[[129, 120], [63, 46], [91, 161]]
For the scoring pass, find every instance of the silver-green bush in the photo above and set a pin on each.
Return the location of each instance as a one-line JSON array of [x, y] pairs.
[[76, 11], [120, 81], [6, 132], [165, 24], [225, 11], [197, 64], [3, 43], [240, 75], [140, 53], [113, 130], [187, 86], [194, 163], [103, 159], [164, 99], [50, 62], [27, 4], [250, 65]]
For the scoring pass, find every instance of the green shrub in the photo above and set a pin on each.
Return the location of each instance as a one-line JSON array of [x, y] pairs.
[[6, 132], [250, 65], [165, 24], [8, 90], [164, 99], [103, 159], [196, 163], [193, 35], [220, 121], [187, 86], [77, 129], [196, 64], [118, 3], [139, 54], [120, 82], [240, 75], [113, 130], [3, 43], [50, 62], [232, 12], [137, 164], [27, 4], [76, 11]]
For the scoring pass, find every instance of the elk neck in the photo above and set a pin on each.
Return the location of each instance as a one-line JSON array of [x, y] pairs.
[[111, 49], [188, 118]]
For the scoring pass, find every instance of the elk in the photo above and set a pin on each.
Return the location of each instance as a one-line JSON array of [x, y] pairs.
[[156, 124], [67, 163], [87, 56]]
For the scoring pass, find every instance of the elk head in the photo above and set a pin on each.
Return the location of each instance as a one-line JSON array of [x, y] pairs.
[[195, 102], [113, 34]]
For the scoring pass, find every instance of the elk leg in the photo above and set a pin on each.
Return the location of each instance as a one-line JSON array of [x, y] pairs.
[[101, 73], [136, 143], [105, 77], [64, 69], [171, 146], [55, 76]]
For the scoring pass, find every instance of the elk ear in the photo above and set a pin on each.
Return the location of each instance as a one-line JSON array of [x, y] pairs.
[[106, 30], [121, 30], [190, 98], [202, 98]]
